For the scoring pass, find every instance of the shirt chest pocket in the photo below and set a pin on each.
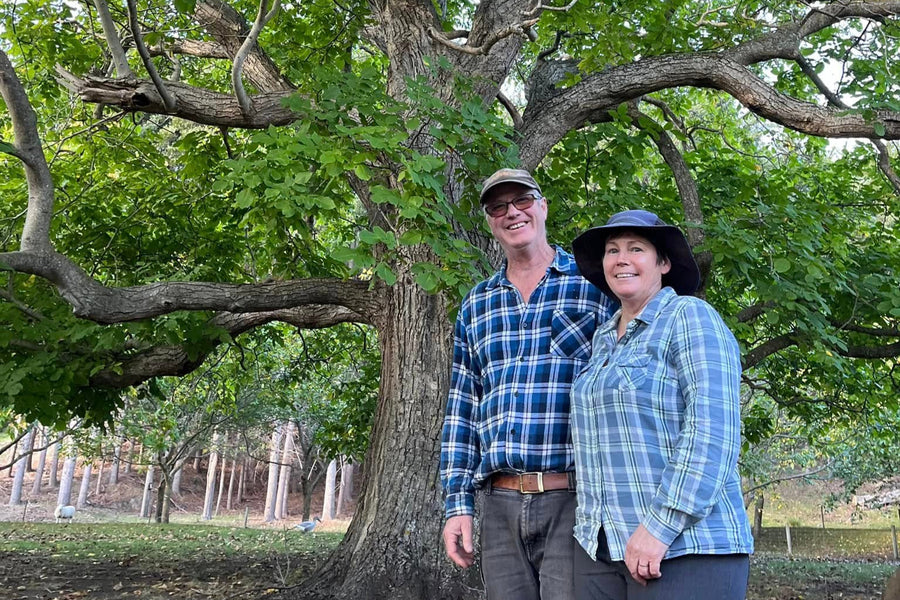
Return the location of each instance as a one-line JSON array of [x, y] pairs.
[[571, 334], [633, 371]]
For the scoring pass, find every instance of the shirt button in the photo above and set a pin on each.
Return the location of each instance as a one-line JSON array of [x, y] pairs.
[[526, 325], [512, 432], [521, 358]]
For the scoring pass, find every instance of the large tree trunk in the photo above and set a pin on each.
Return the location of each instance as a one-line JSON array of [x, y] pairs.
[[393, 549]]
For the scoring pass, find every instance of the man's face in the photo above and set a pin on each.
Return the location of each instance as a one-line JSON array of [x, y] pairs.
[[519, 228]]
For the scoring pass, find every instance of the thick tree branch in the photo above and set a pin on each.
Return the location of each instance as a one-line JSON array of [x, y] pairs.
[[28, 149], [197, 48], [193, 104], [112, 39], [520, 28], [756, 355], [855, 351], [262, 18], [546, 122], [229, 29], [753, 312], [168, 99], [177, 361], [684, 181], [511, 109], [93, 301]]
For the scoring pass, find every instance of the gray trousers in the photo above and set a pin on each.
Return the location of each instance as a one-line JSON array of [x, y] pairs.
[[690, 577], [527, 546]]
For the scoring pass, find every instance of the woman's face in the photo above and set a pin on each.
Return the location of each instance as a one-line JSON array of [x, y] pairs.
[[633, 270]]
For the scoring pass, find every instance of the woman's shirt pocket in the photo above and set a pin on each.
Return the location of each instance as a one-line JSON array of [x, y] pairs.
[[570, 334]]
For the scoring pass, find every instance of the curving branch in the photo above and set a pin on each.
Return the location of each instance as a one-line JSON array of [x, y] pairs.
[[756, 355], [520, 28], [229, 29], [540, 7], [884, 158], [684, 181], [112, 40], [511, 109], [192, 103], [547, 122], [28, 149], [168, 99], [197, 48], [262, 18], [93, 301], [134, 368]]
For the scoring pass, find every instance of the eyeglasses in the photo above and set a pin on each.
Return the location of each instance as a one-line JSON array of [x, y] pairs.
[[498, 209]]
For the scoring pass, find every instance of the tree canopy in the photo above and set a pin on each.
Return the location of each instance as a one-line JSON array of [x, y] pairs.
[[177, 175]]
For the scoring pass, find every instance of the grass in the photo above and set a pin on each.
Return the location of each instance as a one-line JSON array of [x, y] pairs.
[[812, 542], [201, 561], [159, 542]]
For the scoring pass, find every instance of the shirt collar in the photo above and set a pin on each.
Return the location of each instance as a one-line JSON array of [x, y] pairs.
[[563, 263], [650, 312]]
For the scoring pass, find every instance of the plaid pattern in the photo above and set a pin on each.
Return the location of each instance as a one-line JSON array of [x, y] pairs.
[[513, 365], [657, 432]]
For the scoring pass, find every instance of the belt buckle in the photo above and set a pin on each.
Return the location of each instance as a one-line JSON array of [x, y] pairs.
[[540, 483]]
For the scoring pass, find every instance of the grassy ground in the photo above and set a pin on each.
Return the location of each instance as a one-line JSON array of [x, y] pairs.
[[117, 561], [114, 561]]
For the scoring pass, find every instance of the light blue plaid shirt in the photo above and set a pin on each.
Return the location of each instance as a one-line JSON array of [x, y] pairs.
[[513, 365], [657, 432]]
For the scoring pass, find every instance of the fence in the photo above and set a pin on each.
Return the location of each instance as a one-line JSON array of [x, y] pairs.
[[811, 542]]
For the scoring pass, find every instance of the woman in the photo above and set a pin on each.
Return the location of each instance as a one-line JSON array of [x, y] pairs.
[[656, 427]]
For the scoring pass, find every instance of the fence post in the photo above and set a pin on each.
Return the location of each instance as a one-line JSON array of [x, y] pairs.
[[894, 539], [822, 507], [246, 514], [787, 535]]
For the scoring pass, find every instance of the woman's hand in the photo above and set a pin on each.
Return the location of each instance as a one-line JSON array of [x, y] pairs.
[[643, 555]]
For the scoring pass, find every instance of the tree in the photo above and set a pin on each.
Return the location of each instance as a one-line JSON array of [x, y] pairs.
[[365, 128]]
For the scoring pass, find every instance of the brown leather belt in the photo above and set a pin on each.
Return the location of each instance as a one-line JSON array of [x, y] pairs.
[[532, 483]]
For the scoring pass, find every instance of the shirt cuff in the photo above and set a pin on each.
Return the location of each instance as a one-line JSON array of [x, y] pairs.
[[459, 503], [666, 524]]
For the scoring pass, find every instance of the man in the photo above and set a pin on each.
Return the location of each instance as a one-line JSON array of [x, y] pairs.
[[520, 338]]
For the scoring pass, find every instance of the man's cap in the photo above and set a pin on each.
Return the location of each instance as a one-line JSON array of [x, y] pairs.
[[590, 247], [520, 176]]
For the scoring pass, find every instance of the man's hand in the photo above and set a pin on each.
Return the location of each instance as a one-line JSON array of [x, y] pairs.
[[458, 540], [643, 554]]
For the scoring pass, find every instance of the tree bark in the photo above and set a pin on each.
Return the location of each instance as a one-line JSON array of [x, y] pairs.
[[21, 465], [330, 484], [346, 490], [54, 464], [148, 492], [211, 472], [64, 497], [114, 467], [42, 463], [272, 482], [222, 478], [393, 549], [85, 488], [284, 472]]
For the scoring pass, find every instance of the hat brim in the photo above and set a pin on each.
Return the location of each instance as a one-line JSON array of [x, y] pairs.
[[683, 276]]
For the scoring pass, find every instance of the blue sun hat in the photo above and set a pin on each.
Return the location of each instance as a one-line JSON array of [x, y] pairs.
[[590, 246]]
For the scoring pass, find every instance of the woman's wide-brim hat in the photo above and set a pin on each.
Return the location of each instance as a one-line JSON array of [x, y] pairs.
[[590, 247]]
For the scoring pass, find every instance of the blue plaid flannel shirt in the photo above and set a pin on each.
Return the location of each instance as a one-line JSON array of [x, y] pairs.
[[513, 365], [657, 432]]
